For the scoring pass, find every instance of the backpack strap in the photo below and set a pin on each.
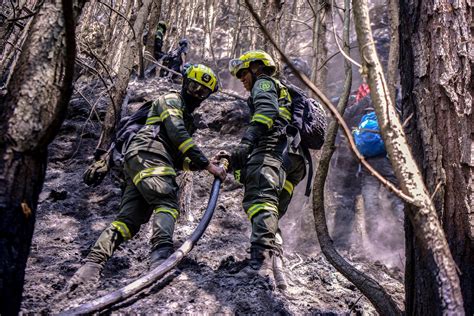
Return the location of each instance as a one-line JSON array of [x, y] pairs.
[[283, 94], [309, 181]]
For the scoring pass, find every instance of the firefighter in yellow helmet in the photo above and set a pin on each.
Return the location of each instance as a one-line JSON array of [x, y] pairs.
[[152, 158], [261, 160]]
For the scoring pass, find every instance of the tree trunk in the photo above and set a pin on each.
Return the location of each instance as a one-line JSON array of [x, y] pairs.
[[446, 295], [31, 113], [435, 76], [128, 55], [320, 51], [154, 18]]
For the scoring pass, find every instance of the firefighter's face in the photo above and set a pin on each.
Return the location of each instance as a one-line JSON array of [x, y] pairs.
[[246, 78]]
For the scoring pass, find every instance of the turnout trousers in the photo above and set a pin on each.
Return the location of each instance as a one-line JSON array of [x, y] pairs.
[[263, 178], [151, 190]]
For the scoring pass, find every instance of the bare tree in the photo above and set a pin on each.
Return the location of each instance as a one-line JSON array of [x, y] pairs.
[[320, 9], [129, 51], [436, 76], [31, 114]]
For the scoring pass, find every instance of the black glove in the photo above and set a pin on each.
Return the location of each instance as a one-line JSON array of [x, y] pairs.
[[239, 155], [96, 172]]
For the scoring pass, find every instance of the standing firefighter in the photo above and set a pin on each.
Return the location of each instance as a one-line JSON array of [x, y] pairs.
[[175, 59], [161, 147], [159, 37], [263, 162]]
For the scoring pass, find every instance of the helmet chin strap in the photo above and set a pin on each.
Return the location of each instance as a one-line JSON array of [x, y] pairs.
[[254, 73], [190, 101]]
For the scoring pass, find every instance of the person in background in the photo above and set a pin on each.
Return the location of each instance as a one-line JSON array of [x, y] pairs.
[[159, 38], [175, 59]]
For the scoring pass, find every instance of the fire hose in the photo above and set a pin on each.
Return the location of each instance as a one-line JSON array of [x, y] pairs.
[[151, 277]]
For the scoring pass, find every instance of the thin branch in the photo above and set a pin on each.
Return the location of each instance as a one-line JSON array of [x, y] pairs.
[[14, 46], [312, 8], [100, 62], [334, 112], [337, 42], [150, 58], [332, 56], [301, 22], [38, 7], [93, 110], [100, 76], [122, 16]]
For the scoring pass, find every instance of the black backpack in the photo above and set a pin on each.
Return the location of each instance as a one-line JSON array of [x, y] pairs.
[[308, 117], [127, 129]]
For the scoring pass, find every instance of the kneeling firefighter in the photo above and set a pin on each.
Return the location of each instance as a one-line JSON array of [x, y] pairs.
[[151, 159], [264, 160]]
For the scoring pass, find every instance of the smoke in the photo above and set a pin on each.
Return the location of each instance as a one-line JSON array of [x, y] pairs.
[[297, 225], [370, 227]]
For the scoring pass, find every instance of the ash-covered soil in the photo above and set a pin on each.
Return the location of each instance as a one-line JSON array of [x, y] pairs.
[[71, 216]]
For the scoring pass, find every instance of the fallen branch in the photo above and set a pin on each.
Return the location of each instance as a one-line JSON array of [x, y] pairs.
[[151, 59]]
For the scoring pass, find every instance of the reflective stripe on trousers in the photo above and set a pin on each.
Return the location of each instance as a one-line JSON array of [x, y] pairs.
[[172, 211], [255, 208], [154, 171]]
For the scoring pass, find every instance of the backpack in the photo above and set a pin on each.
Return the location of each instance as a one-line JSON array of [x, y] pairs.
[[308, 117], [367, 136], [127, 129]]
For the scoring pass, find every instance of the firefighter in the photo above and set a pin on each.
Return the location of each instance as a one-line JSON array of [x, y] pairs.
[[159, 37], [264, 161], [163, 146], [175, 59]]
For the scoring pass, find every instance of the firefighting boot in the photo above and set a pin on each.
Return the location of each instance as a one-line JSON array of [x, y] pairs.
[[158, 256], [88, 274], [260, 264]]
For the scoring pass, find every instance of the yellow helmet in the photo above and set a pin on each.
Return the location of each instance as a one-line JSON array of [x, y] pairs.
[[202, 75], [243, 62]]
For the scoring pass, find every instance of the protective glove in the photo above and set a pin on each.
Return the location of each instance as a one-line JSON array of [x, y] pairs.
[[96, 172], [219, 156], [237, 175], [240, 154]]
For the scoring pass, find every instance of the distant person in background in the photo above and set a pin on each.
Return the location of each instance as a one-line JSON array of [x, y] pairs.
[[383, 222], [175, 59], [159, 37]]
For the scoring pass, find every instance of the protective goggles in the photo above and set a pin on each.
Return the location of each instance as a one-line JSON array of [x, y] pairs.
[[235, 65], [198, 90]]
